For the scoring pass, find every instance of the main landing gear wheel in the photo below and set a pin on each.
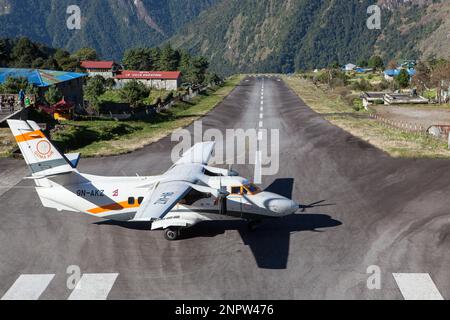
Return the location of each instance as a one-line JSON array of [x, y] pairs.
[[172, 234]]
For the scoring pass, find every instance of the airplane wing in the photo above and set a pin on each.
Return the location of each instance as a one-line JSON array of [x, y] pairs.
[[164, 197], [175, 184], [200, 154]]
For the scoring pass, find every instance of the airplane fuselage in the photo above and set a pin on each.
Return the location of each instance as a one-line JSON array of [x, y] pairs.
[[119, 198]]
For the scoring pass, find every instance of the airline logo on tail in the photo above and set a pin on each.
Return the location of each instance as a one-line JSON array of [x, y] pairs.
[[41, 156]]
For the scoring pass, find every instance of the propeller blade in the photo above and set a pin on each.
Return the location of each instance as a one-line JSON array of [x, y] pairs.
[[314, 205]]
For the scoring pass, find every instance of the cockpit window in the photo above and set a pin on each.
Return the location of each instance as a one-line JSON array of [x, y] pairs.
[[251, 188], [235, 190]]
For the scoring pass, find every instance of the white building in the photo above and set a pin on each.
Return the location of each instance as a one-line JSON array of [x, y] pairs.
[[106, 69], [163, 80], [349, 67]]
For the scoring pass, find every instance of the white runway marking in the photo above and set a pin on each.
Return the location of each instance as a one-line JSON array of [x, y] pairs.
[[258, 169], [262, 109], [417, 286], [260, 124], [260, 135], [261, 116], [28, 287], [94, 286], [262, 102]]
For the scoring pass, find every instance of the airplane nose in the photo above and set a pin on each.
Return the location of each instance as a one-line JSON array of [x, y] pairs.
[[284, 206]]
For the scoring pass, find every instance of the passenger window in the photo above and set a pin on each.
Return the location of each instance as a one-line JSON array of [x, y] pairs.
[[131, 200], [244, 190], [236, 190], [140, 200]]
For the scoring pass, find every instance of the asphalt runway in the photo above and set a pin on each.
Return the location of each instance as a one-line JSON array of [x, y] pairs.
[[384, 212]]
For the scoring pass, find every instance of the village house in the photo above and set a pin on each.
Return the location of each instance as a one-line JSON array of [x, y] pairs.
[[162, 80], [390, 74], [369, 98], [106, 69], [349, 67], [69, 84]]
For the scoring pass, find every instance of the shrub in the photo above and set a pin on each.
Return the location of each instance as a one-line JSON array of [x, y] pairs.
[[358, 104]]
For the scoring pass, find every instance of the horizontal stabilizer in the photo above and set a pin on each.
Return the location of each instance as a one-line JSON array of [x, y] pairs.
[[73, 158]]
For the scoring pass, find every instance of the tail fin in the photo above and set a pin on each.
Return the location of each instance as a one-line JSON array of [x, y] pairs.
[[40, 154]]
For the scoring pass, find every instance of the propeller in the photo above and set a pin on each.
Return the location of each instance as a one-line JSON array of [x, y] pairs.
[[314, 205]]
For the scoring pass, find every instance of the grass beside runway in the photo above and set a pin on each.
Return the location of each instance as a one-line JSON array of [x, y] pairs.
[[395, 142], [7, 143]]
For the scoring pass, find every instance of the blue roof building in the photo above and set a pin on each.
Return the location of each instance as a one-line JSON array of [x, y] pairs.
[[40, 78], [396, 72], [70, 84]]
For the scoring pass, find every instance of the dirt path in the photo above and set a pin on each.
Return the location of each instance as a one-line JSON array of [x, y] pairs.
[[425, 116]]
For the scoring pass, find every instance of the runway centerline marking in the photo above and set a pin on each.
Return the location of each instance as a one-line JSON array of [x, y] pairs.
[[258, 168], [417, 286], [94, 286], [261, 116], [28, 287], [260, 135], [260, 124]]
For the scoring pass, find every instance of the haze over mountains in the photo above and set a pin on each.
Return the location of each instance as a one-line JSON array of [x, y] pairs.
[[241, 35]]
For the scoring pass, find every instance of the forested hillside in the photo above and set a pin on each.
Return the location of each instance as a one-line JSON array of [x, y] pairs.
[[109, 26], [283, 36]]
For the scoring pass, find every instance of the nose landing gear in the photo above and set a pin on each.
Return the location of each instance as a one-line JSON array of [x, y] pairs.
[[172, 234]]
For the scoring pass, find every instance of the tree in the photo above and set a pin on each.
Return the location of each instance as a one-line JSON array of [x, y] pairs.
[[53, 96], [335, 65], [362, 63], [376, 62], [65, 61], [212, 79], [5, 50], [403, 79], [94, 88], [198, 70], [14, 85], [134, 92], [140, 59], [392, 65], [169, 59], [85, 54], [110, 83], [422, 78], [440, 72], [24, 53]]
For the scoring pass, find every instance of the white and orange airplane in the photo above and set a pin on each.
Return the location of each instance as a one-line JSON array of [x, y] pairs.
[[188, 193]]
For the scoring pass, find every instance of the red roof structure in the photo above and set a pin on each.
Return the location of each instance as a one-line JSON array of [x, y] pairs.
[[61, 106], [97, 64], [147, 75]]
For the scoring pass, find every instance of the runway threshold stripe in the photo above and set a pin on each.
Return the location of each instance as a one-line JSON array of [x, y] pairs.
[[417, 286], [94, 286], [28, 287]]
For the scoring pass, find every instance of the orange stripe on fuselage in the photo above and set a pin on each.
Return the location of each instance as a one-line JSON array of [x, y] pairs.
[[114, 207], [30, 136]]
